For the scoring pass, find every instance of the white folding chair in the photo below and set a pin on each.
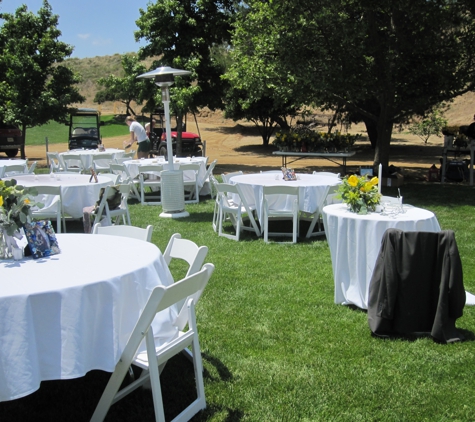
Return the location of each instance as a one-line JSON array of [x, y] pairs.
[[113, 215], [227, 176], [125, 231], [13, 169], [315, 218], [55, 163], [101, 162], [185, 250], [158, 353], [206, 179], [51, 199], [149, 177], [72, 163], [281, 203], [190, 182], [31, 169], [125, 157], [125, 177], [113, 177], [214, 183], [236, 210]]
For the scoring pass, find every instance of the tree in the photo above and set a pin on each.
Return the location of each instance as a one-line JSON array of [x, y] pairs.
[[183, 34], [383, 61], [430, 125], [36, 87], [263, 112], [127, 88]]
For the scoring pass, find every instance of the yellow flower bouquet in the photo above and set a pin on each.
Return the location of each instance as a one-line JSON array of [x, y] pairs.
[[15, 205], [360, 193]]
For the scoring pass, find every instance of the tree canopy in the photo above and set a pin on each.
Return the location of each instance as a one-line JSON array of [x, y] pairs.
[[35, 87], [384, 61], [127, 88]]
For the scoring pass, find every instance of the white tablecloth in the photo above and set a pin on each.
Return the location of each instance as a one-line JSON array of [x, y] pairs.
[[133, 167], [76, 190], [355, 241], [313, 189], [70, 313], [87, 154], [15, 162]]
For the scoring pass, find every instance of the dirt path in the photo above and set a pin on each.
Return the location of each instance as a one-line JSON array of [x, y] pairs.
[[238, 146]]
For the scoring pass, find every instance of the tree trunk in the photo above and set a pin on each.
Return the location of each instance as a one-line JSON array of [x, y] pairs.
[[372, 130], [385, 129]]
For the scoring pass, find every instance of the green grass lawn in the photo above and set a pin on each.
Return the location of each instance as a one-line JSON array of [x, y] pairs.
[[276, 347]]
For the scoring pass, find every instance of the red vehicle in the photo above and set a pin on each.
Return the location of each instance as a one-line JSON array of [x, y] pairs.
[[11, 140], [191, 142]]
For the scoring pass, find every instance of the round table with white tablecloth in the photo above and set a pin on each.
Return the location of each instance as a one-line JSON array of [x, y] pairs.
[[133, 167], [73, 312], [355, 241], [76, 189], [313, 189], [87, 154]]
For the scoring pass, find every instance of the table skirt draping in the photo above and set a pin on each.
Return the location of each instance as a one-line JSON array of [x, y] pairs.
[[70, 313], [312, 190], [76, 190], [134, 165], [355, 240]]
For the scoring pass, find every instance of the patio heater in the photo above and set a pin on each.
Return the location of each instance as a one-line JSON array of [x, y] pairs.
[[173, 196]]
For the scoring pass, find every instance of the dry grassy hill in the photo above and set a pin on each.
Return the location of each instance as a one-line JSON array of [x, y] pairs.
[[91, 69]]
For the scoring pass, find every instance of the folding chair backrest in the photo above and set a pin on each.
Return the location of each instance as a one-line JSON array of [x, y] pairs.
[[186, 250], [125, 231], [12, 169], [227, 176]]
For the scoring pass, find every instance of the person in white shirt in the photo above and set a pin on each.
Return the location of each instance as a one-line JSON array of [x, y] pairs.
[[138, 134]]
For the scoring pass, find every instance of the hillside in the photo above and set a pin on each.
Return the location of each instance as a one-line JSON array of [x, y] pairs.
[[91, 69]]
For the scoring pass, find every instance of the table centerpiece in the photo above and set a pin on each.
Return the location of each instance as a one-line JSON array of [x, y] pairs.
[[15, 211], [360, 193]]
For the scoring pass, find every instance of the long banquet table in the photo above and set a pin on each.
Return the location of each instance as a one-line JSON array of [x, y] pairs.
[[312, 193], [76, 190], [70, 313], [355, 240]]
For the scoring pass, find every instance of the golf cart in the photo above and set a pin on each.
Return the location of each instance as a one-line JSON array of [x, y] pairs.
[[84, 129], [191, 142]]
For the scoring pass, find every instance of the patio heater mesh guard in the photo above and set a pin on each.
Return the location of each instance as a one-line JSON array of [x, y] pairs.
[[173, 196]]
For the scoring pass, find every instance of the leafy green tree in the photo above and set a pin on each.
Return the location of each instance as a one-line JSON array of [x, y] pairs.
[[384, 61], [263, 112], [184, 34], [429, 126], [36, 87], [127, 88]]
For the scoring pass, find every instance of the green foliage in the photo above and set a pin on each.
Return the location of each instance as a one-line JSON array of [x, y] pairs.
[[36, 84], [264, 112], [429, 126], [127, 88], [185, 35], [302, 138], [357, 55]]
